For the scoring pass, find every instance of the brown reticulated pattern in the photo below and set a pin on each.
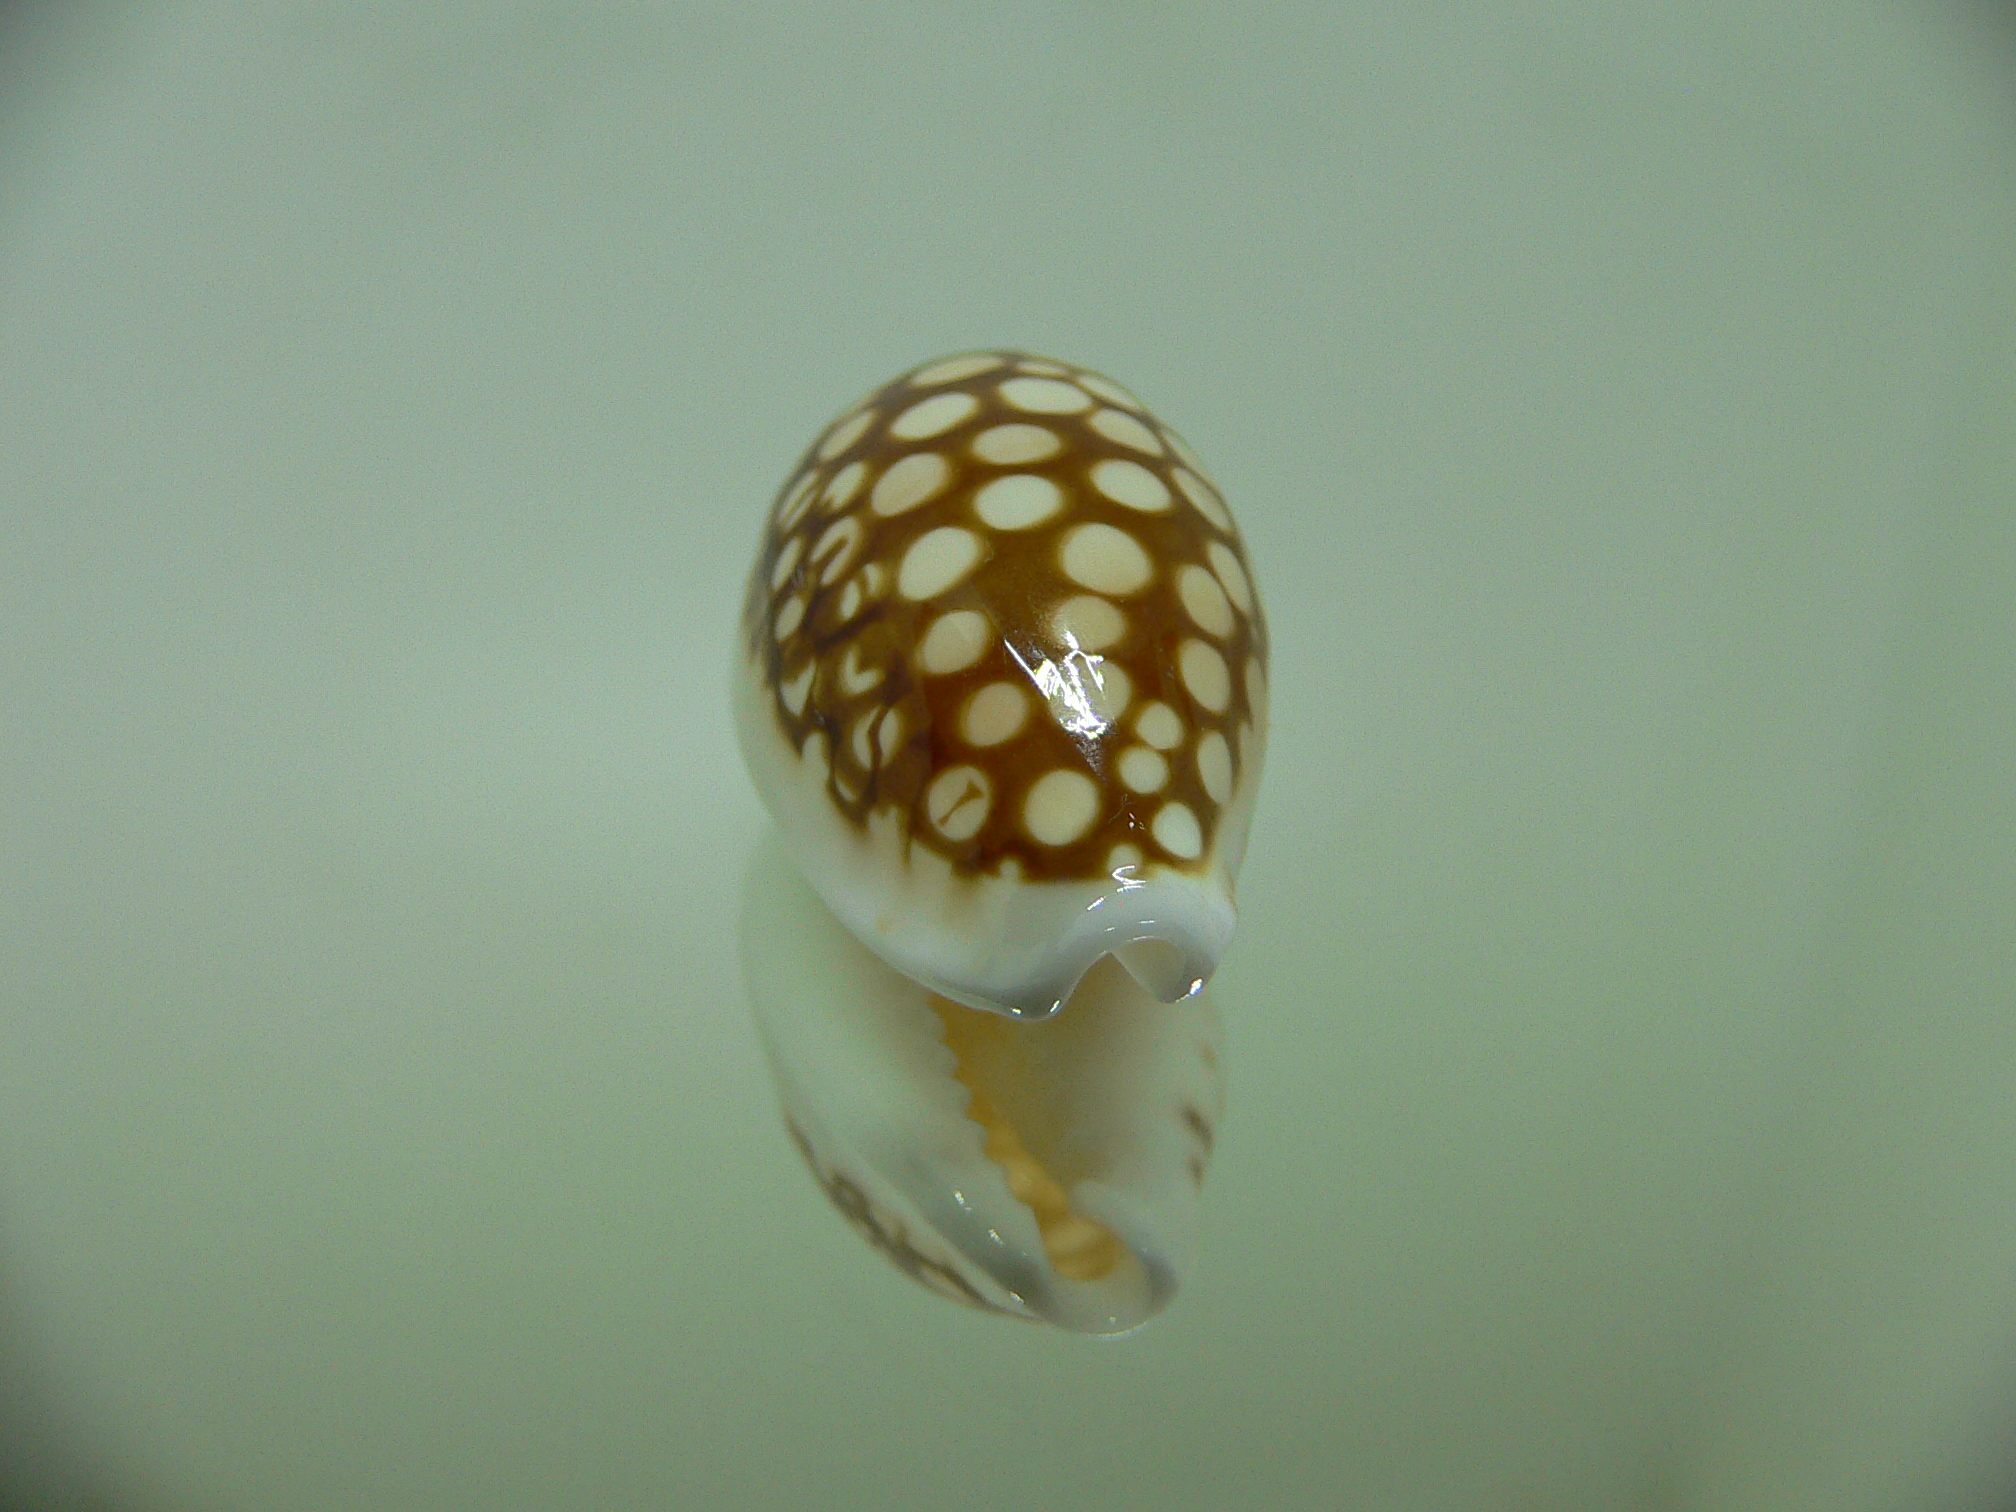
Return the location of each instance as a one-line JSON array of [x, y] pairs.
[[999, 599]]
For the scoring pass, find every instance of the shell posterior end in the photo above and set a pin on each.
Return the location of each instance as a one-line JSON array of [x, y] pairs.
[[1168, 934], [1165, 971]]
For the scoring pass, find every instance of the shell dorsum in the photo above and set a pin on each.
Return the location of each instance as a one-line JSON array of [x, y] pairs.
[[1002, 684]]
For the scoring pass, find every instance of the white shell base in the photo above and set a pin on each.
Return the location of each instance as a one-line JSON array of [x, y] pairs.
[[1131, 1090]]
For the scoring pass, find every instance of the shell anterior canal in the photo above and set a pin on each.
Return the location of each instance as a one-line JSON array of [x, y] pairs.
[[990, 1066]]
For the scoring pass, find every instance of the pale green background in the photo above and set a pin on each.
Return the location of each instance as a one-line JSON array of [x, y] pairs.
[[1620, 403]]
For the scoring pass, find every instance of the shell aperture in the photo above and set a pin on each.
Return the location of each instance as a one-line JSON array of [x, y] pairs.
[[1001, 682], [1047, 1171]]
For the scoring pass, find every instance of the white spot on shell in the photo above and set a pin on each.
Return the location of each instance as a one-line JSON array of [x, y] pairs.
[[1046, 396], [1018, 501], [1119, 426], [1175, 829], [954, 642], [933, 416], [957, 802], [856, 679], [794, 691], [844, 485], [1231, 575], [1205, 497], [1108, 689], [1110, 391], [1161, 726], [1204, 601], [889, 734], [1205, 675], [1183, 451], [845, 433], [787, 562], [1214, 766], [836, 548], [791, 508], [1012, 445], [789, 617], [1105, 559], [1046, 368], [1085, 623], [1143, 770], [952, 369], [1131, 484], [908, 483], [863, 733], [937, 560], [851, 598], [1060, 807], [994, 714]]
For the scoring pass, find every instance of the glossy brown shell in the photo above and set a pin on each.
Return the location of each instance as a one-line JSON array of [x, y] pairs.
[[995, 532]]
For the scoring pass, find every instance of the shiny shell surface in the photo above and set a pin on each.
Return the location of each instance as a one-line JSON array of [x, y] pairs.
[[1002, 636]]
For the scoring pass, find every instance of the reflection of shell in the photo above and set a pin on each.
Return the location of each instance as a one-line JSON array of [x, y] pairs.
[[1048, 1171], [1001, 683]]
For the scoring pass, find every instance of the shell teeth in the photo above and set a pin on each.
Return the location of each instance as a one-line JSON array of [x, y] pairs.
[[1049, 1171]]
